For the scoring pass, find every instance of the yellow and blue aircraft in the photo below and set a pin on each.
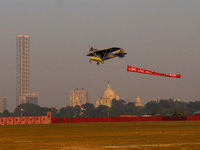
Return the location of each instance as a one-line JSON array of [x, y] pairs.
[[105, 54]]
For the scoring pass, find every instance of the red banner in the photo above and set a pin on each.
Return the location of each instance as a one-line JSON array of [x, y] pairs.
[[144, 71]]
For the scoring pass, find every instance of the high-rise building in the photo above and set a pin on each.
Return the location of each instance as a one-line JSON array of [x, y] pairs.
[[3, 104], [32, 98], [23, 72], [23, 66], [78, 97]]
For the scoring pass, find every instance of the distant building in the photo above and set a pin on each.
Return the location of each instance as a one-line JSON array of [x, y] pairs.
[[176, 100], [32, 98], [78, 97], [23, 72], [157, 100], [107, 97], [23, 66], [138, 102], [76, 101], [3, 104]]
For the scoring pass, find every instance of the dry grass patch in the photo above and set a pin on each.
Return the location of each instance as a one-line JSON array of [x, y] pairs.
[[130, 135]]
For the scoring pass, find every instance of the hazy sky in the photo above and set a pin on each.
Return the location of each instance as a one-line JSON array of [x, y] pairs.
[[158, 35]]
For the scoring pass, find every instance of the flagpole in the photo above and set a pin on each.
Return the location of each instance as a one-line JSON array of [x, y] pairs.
[[109, 111], [21, 111]]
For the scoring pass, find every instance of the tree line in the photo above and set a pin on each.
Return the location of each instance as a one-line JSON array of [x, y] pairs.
[[118, 107]]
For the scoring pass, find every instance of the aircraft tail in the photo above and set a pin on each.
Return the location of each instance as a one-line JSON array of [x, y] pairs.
[[91, 50], [120, 53]]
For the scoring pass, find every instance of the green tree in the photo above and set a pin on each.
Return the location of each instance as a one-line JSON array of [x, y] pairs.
[[130, 108], [6, 113], [31, 110], [139, 110], [193, 107], [118, 108], [178, 113], [151, 107], [165, 107], [42, 111], [90, 110], [67, 112], [102, 111]]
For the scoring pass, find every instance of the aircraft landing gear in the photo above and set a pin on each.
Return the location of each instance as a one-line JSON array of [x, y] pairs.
[[102, 62], [97, 63], [90, 61]]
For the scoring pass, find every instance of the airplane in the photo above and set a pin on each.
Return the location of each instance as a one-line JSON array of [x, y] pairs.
[[105, 54]]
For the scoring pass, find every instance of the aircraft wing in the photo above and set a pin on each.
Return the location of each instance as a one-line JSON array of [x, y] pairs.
[[103, 51]]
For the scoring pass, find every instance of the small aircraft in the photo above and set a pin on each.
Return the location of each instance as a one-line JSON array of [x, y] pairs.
[[105, 54]]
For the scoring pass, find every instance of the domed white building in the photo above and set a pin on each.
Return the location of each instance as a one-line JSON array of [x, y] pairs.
[[107, 97]]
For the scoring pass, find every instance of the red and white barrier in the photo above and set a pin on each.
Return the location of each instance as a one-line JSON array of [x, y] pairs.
[[31, 120], [24, 120], [3, 121], [17, 120], [48, 117], [37, 120], [44, 119], [10, 121]]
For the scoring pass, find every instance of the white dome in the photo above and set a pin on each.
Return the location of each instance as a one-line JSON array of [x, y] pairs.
[[107, 96], [108, 93]]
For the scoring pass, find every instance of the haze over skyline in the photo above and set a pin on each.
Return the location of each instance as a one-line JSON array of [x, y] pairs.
[[158, 35]]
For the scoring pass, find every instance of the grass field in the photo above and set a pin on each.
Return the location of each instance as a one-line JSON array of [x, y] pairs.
[[131, 135]]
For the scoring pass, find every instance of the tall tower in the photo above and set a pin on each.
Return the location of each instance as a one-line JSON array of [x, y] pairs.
[[3, 104], [138, 102], [23, 67]]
